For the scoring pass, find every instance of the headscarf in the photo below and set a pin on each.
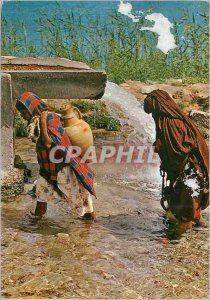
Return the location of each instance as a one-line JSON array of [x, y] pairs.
[[35, 106], [176, 127]]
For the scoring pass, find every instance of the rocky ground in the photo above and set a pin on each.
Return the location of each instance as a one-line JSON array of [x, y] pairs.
[[190, 96]]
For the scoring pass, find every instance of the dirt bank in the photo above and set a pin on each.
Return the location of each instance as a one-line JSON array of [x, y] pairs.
[[188, 96]]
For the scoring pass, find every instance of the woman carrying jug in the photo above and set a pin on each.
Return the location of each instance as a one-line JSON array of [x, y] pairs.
[[68, 183]]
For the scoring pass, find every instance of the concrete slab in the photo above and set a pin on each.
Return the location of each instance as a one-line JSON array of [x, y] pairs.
[[6, 59], [7, 120], [49, 62], [83, 84], [6, 101]]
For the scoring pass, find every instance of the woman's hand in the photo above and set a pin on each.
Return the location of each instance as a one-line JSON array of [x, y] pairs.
[[46, 140], [44, 115]]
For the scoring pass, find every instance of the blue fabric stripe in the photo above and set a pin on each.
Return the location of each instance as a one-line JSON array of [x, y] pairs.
[[27, 103], [89, 175], [33, 112], [61, 130], [50, 117], [73, 163], [35, 96], [82, 176]]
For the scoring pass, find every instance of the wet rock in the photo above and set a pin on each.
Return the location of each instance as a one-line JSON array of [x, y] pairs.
[[19, 164], [202, 121], [200, 117], [63, 235], [12, 182], [64, 238]]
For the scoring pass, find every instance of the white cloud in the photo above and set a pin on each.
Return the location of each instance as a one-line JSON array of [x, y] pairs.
[[125, 9], [162, 26]]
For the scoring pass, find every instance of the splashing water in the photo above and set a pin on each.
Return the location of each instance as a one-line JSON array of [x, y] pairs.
[[133, 109], [192, 183]]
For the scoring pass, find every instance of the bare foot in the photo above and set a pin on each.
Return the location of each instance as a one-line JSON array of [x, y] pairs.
[[41, 209], [34, 217], [201, 223], [88, 216]]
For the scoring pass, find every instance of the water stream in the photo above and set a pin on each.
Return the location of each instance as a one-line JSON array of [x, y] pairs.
[[133, 112]]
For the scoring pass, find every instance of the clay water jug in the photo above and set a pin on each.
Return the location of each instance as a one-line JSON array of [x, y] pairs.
[[78, 131]]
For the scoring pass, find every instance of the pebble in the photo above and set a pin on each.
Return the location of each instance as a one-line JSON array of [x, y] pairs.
[[108, 276], [129, 294], [64, 236]]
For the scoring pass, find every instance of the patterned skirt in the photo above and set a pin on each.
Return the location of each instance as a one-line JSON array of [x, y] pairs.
[[73, 197]]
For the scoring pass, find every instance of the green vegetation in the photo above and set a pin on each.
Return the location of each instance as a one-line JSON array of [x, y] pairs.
[[103, 121], [85, 106], [181, 105], [20, 125], [96, 115], [204, 105], [116, 44]]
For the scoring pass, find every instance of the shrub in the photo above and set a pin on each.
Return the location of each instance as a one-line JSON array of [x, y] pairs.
[[82, 105], [103, 121], [20, 126], [86, 106]]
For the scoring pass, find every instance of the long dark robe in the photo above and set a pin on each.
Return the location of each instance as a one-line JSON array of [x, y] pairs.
[[179, 142]]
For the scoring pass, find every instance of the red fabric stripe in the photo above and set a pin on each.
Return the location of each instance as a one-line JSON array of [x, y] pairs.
[[25, 96]]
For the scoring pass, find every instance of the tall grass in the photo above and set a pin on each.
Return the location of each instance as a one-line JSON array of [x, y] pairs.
[[115, 44]]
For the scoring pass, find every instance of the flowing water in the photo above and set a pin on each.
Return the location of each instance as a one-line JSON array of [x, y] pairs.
[[127, 253], [133, 113]]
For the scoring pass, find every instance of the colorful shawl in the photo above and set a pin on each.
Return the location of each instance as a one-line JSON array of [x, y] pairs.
[[35, 106]]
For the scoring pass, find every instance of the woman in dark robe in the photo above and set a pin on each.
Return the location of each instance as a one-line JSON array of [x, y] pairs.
[[184, 160]]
